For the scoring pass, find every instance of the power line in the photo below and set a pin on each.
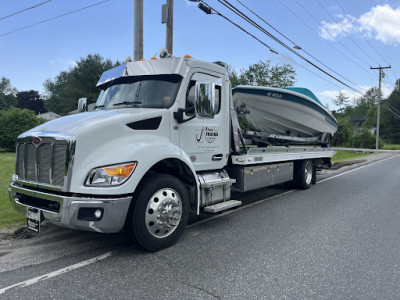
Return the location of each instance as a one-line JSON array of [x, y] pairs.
[[241, 28], [384, 105], [315, 20], [316, 74], [373, 48], [341, 28], [47, 20], [326, 41], [391, 107], [18, 12], [287, 57], [267, 23], [296, 46], [249, 20]]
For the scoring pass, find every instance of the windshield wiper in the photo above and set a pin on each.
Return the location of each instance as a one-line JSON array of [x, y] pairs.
[[133, 103], [98, 106]]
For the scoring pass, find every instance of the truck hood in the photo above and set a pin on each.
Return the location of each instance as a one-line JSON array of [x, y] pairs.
[[95, 121]]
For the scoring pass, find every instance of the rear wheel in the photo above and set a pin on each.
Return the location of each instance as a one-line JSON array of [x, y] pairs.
[[303, 174], [160, 212]]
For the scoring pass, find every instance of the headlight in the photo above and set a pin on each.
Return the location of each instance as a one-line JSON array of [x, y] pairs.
[[110, 175]]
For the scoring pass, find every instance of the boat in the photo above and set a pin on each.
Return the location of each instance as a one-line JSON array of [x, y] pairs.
[[293, 113]]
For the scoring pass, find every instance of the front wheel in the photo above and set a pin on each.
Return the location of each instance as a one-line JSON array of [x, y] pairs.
[[160, 212]]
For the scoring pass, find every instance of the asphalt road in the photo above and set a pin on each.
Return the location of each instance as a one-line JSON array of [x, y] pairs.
[[338, 240]]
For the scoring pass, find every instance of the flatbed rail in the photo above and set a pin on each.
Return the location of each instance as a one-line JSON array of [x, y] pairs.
[[280, 154]]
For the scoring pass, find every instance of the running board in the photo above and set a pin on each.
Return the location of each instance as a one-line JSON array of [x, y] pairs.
[[222, 206]]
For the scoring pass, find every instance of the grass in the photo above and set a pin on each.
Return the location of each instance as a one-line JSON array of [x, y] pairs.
[[8, 215], [391, 147], [343, 155]]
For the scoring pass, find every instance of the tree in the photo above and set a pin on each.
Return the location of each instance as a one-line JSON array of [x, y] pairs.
[[341, 100], [390, 116], [13, 122], [397, 86], [263, 74], [7, 94], [6, 87], [343, 134], [31, 100], [80, 81], [233, 76]]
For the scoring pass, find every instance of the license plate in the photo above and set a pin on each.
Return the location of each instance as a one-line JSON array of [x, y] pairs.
[[33, 219]]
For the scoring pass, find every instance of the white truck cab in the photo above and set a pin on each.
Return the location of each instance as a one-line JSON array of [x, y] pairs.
[[163, 141]]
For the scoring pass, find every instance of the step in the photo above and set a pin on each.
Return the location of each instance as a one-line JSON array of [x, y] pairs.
[[222, 206]]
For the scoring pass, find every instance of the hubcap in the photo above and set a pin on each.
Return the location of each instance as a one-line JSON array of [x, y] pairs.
[[163, 213], [308, 172]]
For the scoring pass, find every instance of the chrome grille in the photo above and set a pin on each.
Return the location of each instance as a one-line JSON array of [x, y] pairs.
[[44, 167], [60, 156], [46, 163], [30, 162]]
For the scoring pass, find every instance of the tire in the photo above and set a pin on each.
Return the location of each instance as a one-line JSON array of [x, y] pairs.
[[303, 174], [159, 212]]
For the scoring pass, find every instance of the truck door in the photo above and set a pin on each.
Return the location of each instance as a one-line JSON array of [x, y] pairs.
[[206, 139]]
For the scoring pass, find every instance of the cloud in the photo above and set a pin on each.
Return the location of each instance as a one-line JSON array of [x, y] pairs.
[[381, 22], [63, 62], [331, 31]]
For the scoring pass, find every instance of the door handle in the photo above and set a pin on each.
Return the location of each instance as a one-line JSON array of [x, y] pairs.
[[217, 157]]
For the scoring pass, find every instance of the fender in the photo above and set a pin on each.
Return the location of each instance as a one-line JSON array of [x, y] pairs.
[[147, 150]]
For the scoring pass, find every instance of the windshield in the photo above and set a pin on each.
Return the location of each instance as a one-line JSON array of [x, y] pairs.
[[155, 91]]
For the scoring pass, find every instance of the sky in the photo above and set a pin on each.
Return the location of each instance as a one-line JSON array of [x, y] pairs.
[[346, 38]]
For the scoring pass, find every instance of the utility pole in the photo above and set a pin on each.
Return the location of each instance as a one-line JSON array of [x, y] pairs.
[[138, 30], [378, 114], [170, 26]]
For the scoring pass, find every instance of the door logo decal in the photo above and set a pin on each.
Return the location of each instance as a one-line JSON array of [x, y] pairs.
[[209, 134]]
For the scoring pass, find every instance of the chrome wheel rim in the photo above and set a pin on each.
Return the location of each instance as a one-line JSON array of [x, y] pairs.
[[163, 213], [308, 172]]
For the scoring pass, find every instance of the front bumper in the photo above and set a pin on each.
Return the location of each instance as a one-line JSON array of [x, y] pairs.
[[63, 211]]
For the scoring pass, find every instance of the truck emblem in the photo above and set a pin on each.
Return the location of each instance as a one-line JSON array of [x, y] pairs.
[[36, 141], [211, 134]]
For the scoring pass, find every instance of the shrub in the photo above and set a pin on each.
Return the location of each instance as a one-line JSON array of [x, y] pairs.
[[365, 140], [13, 122]]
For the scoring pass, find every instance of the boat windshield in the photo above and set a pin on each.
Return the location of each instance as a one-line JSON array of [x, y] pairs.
[[154, 91]]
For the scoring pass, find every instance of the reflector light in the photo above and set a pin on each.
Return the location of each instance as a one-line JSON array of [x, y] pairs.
[[187, 56], [153, 58], [120, 171]]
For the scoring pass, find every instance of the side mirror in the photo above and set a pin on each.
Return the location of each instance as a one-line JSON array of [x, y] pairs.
[[82, 105], [204, 99]]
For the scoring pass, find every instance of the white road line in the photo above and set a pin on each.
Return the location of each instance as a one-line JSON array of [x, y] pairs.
[[56, 273], [349, 171]]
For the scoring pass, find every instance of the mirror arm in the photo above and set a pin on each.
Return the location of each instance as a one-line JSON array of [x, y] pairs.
[[178, 115]]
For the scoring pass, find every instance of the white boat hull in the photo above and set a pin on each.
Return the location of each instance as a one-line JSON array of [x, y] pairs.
[[283, 112]]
